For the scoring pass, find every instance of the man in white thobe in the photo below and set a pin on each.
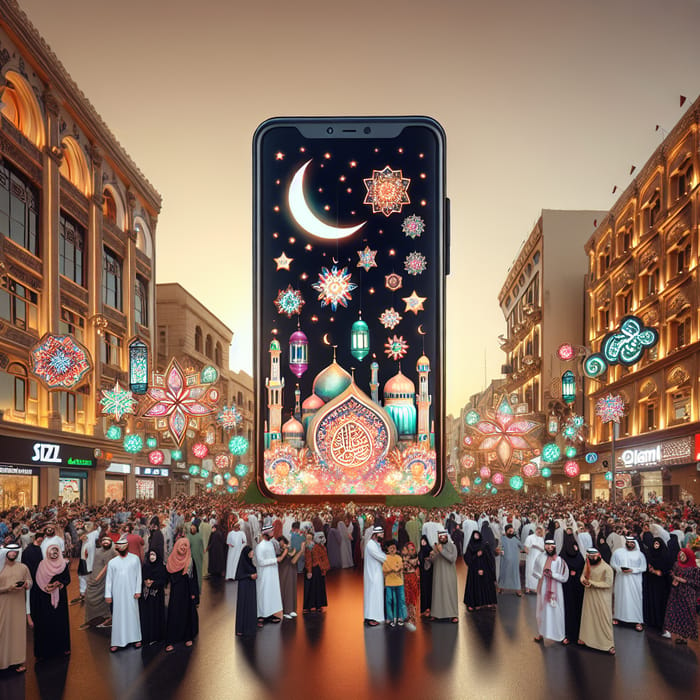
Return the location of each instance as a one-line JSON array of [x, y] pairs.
[[534, 548], [267, 585], [629, 564], [374, 579], [122, 591], [551, 572], [236, 540]]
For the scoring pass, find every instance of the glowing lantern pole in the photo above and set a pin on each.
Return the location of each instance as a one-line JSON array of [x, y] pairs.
[[611, 408]]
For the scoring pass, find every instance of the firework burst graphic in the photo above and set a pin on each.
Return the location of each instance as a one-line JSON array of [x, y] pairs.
[[289, 301], [395, 347], [413, 226], [390, 318], [415, 264], [334, 287]]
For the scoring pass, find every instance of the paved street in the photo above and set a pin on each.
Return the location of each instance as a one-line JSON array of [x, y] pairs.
[[490, 654]]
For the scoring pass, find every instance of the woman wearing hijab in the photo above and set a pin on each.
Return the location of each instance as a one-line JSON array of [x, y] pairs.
[[316, 565], [183, 621], [50, 614], [656, 583], [681, 618], [154, 576], [603, 547], [426, 576], [480, 589], [411, 581], [573, 588], [217, 550], [246, 596]]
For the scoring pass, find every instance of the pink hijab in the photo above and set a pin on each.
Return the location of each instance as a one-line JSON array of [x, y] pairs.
[[48, 568]]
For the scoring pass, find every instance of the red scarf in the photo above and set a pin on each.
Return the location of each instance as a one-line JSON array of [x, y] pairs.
[[689, 562]]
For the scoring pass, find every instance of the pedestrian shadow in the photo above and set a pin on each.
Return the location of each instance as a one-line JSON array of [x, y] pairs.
[[677, 664], [51, 677], [395, 640], [314, 625], [442, 638], [483, 623], [375, 653], [13, 685]]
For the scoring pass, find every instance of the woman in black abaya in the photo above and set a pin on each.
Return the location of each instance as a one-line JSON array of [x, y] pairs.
[[656, 583], [573, 588], [480, 589], [426, 576], [154, 576], [246, 598]]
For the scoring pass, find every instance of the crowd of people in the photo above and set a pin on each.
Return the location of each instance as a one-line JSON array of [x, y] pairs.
[[141, 564]]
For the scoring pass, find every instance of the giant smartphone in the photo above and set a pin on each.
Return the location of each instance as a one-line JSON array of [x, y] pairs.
[[349, 263]]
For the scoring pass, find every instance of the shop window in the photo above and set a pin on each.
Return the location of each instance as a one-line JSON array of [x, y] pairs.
[[18, 304], [649, 413], [680, 406], [18, 394], [19, 209], [649, 282], [73, 324], [604, 260], [682, 181], [679, 330], [110, 349], [679, 258], [209, 347], [141, 301], [624, 303], [652, 212], [111, 279]]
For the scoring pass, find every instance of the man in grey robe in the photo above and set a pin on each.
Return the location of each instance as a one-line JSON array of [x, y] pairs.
[[444, 604], [509, 575]]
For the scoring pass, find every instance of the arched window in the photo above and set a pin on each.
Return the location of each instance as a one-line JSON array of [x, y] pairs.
[[74, 166], [218, 355], [109, 207], [144, 242], [209, 350], [198, 338], [141, 301], [21, 108]]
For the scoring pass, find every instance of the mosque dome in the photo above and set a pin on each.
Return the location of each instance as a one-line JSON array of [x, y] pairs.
[[399, 403], [399, 388], [423, 364], [293, 427], [312, 403], [275, 345], [331, 382]]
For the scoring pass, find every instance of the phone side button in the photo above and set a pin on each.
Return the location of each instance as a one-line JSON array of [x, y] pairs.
[[447, 235]]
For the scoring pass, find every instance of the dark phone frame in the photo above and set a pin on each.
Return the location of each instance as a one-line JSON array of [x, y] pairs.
[[351, 128]]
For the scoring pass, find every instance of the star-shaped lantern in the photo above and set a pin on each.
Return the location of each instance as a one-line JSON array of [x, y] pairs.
[[179, 400], [414, 303], [367, 258], [117, 402], [387, 191], [283, 262], [501, 433]]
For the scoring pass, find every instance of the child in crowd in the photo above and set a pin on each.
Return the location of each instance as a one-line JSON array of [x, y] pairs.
[[395, 601]]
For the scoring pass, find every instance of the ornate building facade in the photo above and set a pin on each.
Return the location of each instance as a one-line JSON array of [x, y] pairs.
[[643, 261], [77, 241]]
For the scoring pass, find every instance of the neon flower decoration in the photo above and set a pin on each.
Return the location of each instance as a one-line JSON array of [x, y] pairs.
[[221, 461], [298, 352], [530, 469], [232, 481], [241, 470], [238, 445], [545, 472], [487, 485], [477, 481], [468, 440], [594, 365], [467, 461], [387, 191], [610, 408], [498, 479], [566, 352], [176, 455], [117, 402], [179, 400], [571, 469], [484, 472], [114, 432], [551, 452], [502, 433], [194, 470], [208, 375], [494, 490], [334, 287], [156, 457], [227, 476], [229, 418], [570, 451], [60, 361], [199, 449], [472, 417], [204, 473], [289, 301], [133, 443], [516, 482]]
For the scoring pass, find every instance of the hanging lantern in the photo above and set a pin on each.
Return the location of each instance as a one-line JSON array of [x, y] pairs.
[[194, 470], [156, 457], [133, 443], [551, 452], [199, 449], [298, 352], [568, 387], [530, 469], [498, 478], [552, 425], [516, 482], [484, 472], [138, 367], [359, 339], [571, 469], [546, 472]]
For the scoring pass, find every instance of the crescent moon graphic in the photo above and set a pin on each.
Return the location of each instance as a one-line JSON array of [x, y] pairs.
[[420, 330], [303, 215], [325, 339]]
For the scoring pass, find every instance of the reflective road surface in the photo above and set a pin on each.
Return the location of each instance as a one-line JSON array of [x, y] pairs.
[[489, 654]]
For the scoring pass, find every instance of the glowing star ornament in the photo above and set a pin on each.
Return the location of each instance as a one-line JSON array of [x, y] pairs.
[[367, 258], [387, 191], [179, 400], [413, 226], [229, 418], [396, 347], [283, 262], [415, 263], [334, 287], [501, 433], [60, 361], [289, 301], [414, 303], [390, 318], [117, 402], [393, 282], [610, 408]]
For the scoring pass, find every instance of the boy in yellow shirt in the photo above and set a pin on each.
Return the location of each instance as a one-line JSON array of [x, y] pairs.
[[394, 597]]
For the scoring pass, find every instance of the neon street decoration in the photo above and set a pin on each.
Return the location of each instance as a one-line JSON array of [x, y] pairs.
[[566, 352], [117, 402], [591, 457], [551, 452], [60, 361], [568, 387], [516, 482], [610, 408], [138, 367]]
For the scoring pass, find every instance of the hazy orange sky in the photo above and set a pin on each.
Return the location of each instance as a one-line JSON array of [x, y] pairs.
[[546, 104]]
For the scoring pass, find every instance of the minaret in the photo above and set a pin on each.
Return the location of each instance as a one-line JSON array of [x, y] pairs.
[[275, 384], [374, 381], [423, 401], [297, 403]]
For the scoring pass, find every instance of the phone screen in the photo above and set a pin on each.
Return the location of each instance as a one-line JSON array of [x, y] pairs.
[[349, 306]]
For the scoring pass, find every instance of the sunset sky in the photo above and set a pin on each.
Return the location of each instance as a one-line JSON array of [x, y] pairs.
[[546, 104]]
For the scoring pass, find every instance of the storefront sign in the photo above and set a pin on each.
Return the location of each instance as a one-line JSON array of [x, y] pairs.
[[635, 458], [19, 451], [19, 471], [151, 471], [118, 468]]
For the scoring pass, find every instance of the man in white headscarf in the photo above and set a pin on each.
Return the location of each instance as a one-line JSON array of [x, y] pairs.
[[374, 579], [629, 564], [14, 580], [267, 585], [551, 572], [235, 540]]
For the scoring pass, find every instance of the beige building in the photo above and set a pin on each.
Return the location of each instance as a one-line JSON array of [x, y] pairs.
[[77, 241], [190, 333], [643, 261]]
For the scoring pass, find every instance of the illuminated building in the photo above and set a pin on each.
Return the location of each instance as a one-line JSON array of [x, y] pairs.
[[77, 242], [642, 261], [275, 385]]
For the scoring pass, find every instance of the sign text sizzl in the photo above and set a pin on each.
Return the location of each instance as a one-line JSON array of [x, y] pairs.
[[46, 452]]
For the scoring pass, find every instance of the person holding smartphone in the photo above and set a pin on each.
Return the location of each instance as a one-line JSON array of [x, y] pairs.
[[629, 565], [14, 580]]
